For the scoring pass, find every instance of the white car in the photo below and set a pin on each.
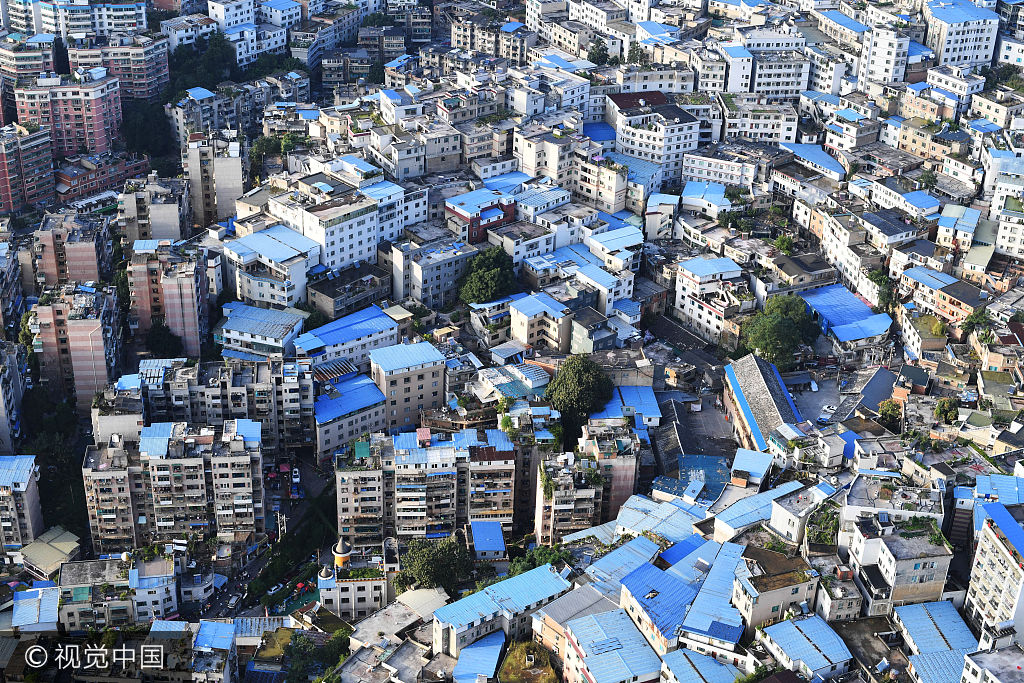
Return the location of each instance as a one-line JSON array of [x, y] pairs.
[[829, 409], [233, 602], [296, 476]]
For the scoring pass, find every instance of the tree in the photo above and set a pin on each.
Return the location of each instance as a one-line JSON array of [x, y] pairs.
[[979, 320], [1017, 317], [302, 654], [784, 243], [315, 319], [637, 55], [146, 129], [25, 335], [163, 343], [489, 276], [928, 179], [538, 557], [598, 52], [886, 289], [890, 413], [445, 563], [947, 410], [264, 144], [938, 328], [578, 389], [778, 331]]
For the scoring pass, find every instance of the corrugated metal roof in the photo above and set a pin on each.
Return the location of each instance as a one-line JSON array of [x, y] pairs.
[[809, 640], [215, 635], [664, 597], [609, 570], [692, 667], [711, 613], [512, 595], [935, 627], [939, 667], [479, 658], [613, 649], [487, 536], [755, 508], [391, 358]]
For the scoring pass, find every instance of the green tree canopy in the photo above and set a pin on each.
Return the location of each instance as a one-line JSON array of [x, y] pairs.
[[886, 289], [979, 320], [947, 410], [776, 332], [376, 74], [889, 414], [490, 276], [578, 389], [163, 343], [784, 243], [598, 52], [378, 19], [445, 563], [538, 557]]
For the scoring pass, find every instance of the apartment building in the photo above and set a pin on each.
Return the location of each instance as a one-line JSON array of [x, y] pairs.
[[352, 598], [168, 284], [278, 394], [26, 168], [155, 208], [1000, 106], [139, 62], [82, 111], [472, 214], [187, 29], [995, 596], [71, 248], [88, 177], [541, 321], [268, 268], [661, 134], [898, 563], [883, 55], [253, 333], [568, 499], [21, 517], [360, 489], [709, 292], [216, 170], [505, 606], [772, 587], [351, 338], [95, 594], [77, 17], [752, 117], [179, 478], [960, 32], [21, 61], [349, 290], [77, 336], [427, 266], [412, 377]]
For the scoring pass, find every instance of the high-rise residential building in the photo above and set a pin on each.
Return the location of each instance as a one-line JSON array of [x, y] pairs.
[[71, 247], [278, 394], [21, 518], [568, 499], [175, 480], [883, 56], [412, 377], [995, 596], [21, 61], [423, 485], [12, 388], [83, 111], [77, 337], [155, 208], [216, 171], [960, 32], [76, 17], [89, 175], [138, 61], [168, 283], [614, 449], [26, 168]]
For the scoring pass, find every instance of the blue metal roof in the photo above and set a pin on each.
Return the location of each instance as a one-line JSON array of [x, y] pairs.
[[850, 115], [846, 22], [1003, 488], [539, 303], [928, 277], [960, 11], [664, 597], [506, 182], [939, 667], [473, 202], [608, 571], [687, 665], [613, 649], [916, 49], [353, 395], [984, 126], [936, 627], [737, 52], [281, 5], [479, 658], [512, 26], [36, 607], [513, 595], [754, 462], [816, 155], [704, 267], [154, 439], [487, 536], [711, 613], [265, 322], [818, 96], [364, 323], [391, 358], [1002, 518], [755, 508], [920, 199], [277, 243], [809, 640], [670, 520], [200, 93]]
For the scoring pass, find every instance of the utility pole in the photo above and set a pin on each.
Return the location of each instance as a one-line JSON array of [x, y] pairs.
[[282, 525]]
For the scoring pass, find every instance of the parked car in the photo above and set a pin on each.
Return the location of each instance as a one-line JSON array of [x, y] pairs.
[[233, 602], [296, 476], [273, 589]]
